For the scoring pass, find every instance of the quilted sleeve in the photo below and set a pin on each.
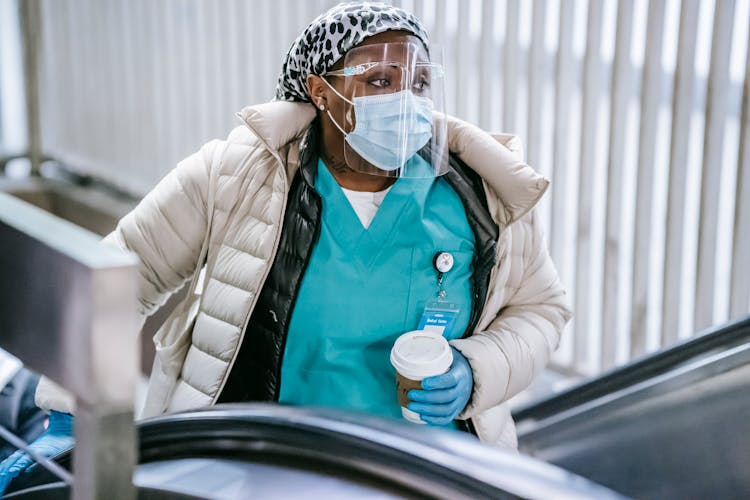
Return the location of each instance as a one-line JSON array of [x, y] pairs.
[[166, 231], [518, 343], [167, 228]]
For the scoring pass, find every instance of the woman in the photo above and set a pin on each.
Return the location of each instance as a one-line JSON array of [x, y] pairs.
[[321, 216]]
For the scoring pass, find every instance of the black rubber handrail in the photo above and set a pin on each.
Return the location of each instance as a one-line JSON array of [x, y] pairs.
[[719, 337], [416, 461]]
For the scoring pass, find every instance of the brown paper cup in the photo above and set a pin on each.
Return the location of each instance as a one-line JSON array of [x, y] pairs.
[[416, 355], [403, 386]]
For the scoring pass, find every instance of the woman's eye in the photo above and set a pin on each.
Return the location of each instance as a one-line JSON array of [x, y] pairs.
[[421, 86], [380, 82]]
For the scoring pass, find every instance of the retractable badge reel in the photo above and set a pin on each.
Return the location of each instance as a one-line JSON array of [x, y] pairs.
[[440, 312]]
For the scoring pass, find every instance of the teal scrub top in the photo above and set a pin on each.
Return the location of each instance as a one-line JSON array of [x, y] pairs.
[[365, 287]]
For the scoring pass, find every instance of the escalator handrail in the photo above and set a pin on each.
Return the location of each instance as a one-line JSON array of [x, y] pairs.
[[722, 336], [447, 455], [359, 444]]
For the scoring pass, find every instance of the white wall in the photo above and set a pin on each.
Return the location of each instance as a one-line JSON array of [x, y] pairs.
[[12, 107]]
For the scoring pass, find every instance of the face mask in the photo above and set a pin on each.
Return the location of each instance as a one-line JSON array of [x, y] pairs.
[[390, 128]]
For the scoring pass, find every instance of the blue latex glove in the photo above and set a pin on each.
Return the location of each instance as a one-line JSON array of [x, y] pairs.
[[57, 437], [444, 396]]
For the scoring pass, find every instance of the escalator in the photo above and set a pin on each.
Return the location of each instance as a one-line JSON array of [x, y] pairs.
[[243, 451], [270, 451], [675, 424], [672, 425]]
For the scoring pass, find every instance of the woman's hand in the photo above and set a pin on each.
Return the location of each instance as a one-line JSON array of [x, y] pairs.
[[444, 396], [57, 437]]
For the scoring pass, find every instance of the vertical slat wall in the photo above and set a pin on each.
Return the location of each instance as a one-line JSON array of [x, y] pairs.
[[510, 65], [612, 320], [740, 289], [713, 165], [132, 86], [584, 290], [561, 237], [682, 110], [536, 81], [651, 97], [559, 243], [13, 134], [489, 62]]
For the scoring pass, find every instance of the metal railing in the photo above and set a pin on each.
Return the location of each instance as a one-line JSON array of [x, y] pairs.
[[68, 310], [638, 112]]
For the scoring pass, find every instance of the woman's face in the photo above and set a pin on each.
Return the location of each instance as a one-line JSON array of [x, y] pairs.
[[380, 78], [386, 63]]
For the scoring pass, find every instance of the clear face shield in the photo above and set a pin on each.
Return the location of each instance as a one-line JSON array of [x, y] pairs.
[[389, 94]]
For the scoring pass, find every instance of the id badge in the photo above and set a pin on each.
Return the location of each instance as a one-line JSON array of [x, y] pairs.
[[439, 316]]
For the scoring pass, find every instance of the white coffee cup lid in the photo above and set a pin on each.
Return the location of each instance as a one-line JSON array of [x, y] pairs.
[[421, 354]]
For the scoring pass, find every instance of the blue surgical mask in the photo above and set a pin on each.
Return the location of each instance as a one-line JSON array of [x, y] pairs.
[[390, 128]]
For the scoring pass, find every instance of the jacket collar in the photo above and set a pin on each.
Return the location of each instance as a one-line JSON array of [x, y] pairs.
[[497, 159], [276, 123]]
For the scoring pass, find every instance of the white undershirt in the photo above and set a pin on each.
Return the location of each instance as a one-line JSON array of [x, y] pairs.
[[365, 203]]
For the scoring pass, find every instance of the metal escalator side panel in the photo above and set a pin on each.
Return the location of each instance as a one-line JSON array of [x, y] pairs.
[[715, 339], [684, 434]]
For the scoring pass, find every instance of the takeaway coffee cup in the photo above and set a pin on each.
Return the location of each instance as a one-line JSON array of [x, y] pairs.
[[417, 355]]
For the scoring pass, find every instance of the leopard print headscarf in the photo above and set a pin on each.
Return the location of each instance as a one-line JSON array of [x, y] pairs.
[[331, 35]]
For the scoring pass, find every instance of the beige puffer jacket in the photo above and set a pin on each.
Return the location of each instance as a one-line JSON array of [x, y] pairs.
[[250, 173]]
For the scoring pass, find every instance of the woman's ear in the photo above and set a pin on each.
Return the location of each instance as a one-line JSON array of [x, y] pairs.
[[316, 88]]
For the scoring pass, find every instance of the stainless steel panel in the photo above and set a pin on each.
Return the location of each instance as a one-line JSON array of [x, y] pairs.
[[681, 434], [67, 309], [98, 210]]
